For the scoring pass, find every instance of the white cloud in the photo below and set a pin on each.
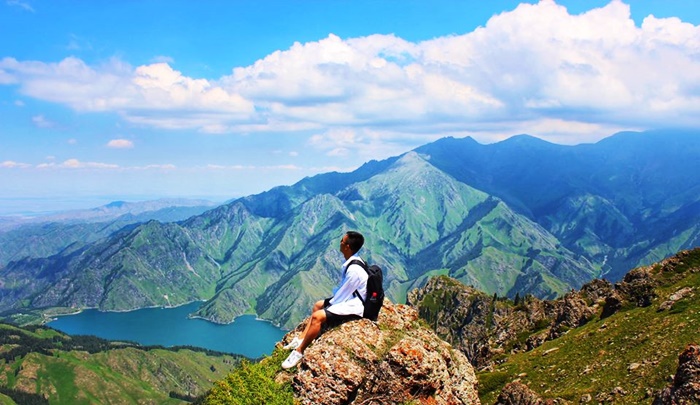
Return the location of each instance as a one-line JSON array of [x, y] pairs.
[[364, 143], [78, 43], [166, 166], [9, 164], [536, 68], [77, 164], [120, 144], [21, 4], [163, 59], [216, 167], [151, 94], [41, 122]]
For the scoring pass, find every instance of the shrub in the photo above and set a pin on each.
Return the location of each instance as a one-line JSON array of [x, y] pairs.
[[252, 383]]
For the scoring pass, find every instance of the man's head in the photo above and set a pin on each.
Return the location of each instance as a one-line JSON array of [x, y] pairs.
[[351, 243]]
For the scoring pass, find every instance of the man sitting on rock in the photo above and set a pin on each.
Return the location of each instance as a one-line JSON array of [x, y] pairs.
[[345, 304]]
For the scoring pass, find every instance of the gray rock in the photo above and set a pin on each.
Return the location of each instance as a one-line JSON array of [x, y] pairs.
[[393, 361], [686, 383]]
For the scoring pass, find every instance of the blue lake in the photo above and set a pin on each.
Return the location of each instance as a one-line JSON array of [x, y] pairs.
[[171, 327]]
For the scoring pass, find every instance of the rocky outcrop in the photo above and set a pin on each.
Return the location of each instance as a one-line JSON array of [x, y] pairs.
[[393, 361], [517, 393], [483, 326], [682, 293], [686, 382], [638, 286]]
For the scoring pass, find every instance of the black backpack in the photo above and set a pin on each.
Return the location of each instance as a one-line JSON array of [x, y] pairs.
[[375, 290]]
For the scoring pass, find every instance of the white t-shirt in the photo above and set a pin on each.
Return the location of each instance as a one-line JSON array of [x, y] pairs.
[[344, 301]]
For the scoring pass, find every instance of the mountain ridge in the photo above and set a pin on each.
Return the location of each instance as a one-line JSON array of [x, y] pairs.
[[585, 344], [604, 343], [41, 366], [46, 235], [435, 210]]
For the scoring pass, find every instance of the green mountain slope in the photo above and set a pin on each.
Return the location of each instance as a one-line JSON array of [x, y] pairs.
[[68, 231], [522, 216], [152, 265], [412, 214], [609, 345], [628, 200], [41, 364], [592, 354]]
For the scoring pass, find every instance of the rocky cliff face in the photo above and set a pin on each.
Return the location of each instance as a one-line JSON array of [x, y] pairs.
[[393, 361], [484, 326]]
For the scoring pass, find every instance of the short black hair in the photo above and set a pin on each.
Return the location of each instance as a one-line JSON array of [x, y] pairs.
[[355, 241]]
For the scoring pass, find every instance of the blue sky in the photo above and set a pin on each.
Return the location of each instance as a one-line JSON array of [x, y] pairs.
[[133, 100]]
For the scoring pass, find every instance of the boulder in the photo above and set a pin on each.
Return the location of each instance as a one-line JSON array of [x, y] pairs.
[[686, 382], [684, 292], [638, 286], [517, 393], [393, 361]]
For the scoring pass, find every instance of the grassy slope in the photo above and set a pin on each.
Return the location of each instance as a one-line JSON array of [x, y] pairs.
[[119, 375], [596, 357], [635, 349], [253, 384]]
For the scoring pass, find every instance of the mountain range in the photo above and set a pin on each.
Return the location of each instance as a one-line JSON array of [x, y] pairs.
[[631, 342], [605, 343], [522, 216], [46, 235]]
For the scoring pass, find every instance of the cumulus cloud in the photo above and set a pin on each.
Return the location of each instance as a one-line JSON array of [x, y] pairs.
[[120, 144], [364, 143], [537, 67], [153, 94]]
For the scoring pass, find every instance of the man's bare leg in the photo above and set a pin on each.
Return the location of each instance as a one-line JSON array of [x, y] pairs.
[[313, 328], [317, 307]]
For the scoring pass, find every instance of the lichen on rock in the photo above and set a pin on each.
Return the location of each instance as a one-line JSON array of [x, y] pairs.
[[392, 361]]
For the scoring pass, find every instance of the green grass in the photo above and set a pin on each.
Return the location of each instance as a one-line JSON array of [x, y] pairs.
[[61, 377], [595, 358], [101, 372], [253, 383]]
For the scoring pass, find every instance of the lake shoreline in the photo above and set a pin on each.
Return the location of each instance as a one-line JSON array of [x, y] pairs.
[[80, 310], [247, 335]]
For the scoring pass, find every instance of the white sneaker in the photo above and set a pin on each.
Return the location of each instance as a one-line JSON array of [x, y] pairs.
[[292, 360], [296, 342]]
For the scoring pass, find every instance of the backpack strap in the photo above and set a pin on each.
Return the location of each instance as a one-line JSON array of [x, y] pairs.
[[364, 267]]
